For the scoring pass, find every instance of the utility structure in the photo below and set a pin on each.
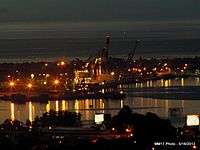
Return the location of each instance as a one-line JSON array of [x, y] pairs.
[[104, 53], [99, 61], [132, 53]]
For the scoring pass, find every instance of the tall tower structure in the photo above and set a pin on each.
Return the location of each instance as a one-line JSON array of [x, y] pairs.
[[101, 62], [107, 46], [105, 51]]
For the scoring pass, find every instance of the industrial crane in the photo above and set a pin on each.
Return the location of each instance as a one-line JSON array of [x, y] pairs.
[[132, 53]]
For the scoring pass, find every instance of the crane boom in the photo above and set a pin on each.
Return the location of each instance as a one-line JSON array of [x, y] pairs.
[[132, 53]]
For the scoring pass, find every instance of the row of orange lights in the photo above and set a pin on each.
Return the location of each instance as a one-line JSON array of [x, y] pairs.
[[154, 69], [62, 63], [29, 85], [12, 84]]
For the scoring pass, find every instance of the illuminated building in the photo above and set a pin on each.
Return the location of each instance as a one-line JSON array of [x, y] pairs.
[[82, 76]]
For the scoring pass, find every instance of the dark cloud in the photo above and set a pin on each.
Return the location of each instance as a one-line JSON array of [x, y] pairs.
[[101, 10], [3, 11]]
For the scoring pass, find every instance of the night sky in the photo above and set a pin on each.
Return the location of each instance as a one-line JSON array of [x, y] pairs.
[[76, 28], [98, 10]]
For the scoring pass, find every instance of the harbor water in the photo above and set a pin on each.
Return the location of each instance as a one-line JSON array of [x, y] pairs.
[[138, 103]]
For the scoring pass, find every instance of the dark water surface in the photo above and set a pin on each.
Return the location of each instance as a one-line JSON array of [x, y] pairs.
[[89, 107]]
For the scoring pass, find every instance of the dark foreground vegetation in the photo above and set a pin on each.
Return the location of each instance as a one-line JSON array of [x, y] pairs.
[[63, 130]]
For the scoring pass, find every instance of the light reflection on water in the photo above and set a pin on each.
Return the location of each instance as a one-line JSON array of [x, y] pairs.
[[89, 107], [12, 111], [30, 108], [195, 81]]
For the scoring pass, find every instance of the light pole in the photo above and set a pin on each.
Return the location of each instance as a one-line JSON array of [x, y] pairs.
[[29, 86], [11, 85], [56, 82]]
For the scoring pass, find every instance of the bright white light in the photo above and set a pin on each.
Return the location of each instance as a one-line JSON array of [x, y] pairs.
[[192, 120], [99, 118], [32, 76], [112, 73]]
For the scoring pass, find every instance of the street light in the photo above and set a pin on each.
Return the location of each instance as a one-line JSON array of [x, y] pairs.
[[112, 73], [56, 82], [62, 63], [11, 84], [32, 76], [29, 85]]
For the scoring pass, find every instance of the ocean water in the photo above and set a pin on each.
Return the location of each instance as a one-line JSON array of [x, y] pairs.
[[33, 41]]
